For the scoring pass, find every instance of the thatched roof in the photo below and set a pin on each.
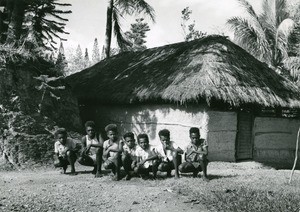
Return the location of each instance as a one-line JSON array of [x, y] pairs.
[[211, 68]]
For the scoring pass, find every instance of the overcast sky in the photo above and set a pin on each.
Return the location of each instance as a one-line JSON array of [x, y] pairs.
[[88, 20]]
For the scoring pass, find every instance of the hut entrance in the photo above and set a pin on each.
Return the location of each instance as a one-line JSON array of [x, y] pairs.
[[244, 136]]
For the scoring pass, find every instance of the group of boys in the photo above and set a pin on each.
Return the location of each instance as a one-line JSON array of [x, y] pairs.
[[136, 158]]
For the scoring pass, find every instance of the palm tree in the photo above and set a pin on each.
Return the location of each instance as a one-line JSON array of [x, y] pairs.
[[266, 35], [115, 10]]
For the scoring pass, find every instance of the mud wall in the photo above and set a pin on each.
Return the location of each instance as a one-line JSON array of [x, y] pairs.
[[219, 128], [275, 140]]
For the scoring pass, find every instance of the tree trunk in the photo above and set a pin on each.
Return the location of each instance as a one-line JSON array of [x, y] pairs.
[[16, 21], [108, 33], [5, 18]]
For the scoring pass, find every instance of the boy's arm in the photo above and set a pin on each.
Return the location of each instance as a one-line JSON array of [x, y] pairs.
[[121, 144], [100, 144], [56, 156], [114, 147], [153, 157], [204, 152], [179, 150], [83, 144]]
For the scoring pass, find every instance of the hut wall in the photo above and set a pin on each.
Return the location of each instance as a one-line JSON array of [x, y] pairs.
[[219, 128], [275, 140], [222, 135]]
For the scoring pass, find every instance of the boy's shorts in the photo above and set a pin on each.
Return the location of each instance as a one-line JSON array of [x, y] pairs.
[[62, 162], [169, 164]]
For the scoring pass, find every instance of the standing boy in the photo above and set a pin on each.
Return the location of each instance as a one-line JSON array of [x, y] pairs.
[[64, 149], [129, 159], [196, 155], [111, 151], [147, 158], [170, 154], [92, 149]]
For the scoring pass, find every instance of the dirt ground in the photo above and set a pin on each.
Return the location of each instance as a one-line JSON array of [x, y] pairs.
[[247, 186]]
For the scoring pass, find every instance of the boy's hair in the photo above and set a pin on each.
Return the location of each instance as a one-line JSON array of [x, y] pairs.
[[194, 130], [62, 131], [142, 135], [111, 127], [164, 132], [90, 124], [128, 134]]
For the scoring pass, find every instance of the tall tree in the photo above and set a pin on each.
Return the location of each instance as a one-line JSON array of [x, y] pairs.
[[35, 22], [95, 53], [61, 62], [86, 62], [44, 22], [188, 26], [265, 36], [16, 20], [79, 58], [137, 34], [115, 10]]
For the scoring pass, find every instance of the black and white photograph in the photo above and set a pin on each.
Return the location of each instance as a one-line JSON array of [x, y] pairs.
[[149, 105]]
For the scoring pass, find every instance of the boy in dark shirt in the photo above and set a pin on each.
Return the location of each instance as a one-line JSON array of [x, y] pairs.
[[196, 155], [92, 149]]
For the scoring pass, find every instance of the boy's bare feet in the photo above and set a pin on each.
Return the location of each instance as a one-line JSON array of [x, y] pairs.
[[73, 173], [128, 177], [98, 174], [115, 178], [204, 178], [63, 171]]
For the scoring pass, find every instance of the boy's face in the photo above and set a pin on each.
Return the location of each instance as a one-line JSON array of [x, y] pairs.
[[195, 138], [130, 142], [62, 138], [165, 140], [144, 143], [90, 131], [112, 135]]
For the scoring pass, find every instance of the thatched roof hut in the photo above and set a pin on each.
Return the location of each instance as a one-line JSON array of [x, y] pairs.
[[183, 85], [211, 68]]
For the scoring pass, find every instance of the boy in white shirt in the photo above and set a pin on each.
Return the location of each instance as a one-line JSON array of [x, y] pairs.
[[169, 153], [128, 148], [92, 149], [64, 149], [147, 157]]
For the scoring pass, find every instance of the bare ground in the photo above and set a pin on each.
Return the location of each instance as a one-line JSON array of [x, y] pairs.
[[247, 186]]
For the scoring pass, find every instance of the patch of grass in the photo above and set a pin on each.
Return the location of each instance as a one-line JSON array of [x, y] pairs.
[[247, 199]]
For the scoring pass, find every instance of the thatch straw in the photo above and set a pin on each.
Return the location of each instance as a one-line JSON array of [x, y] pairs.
[[201, 70]]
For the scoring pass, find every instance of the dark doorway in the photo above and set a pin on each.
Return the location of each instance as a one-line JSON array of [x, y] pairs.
[[244, 136]]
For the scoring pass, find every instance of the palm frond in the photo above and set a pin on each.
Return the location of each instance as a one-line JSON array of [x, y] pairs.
[[253, 20], [282, 36], [292, 64], [281, 12], [143, 6], [268, 19], [246, 36], [248, 7], [135, 6], [121, 40]]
